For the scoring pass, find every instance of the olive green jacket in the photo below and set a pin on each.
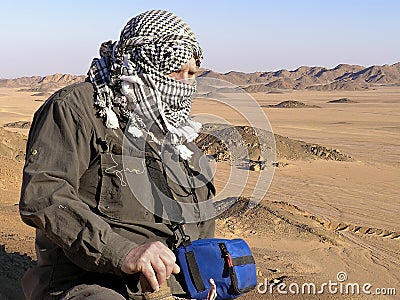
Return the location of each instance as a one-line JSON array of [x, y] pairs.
[[76, 193]]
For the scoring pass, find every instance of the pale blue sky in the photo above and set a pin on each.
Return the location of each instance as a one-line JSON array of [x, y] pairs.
[[45, 37]]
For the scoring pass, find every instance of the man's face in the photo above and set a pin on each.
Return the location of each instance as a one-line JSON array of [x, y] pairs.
[[186, 73]]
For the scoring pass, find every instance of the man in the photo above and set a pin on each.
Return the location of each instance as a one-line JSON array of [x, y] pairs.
[[99, 179]]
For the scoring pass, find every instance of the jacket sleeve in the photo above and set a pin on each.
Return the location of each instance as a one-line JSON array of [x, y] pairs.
[[58, 153]]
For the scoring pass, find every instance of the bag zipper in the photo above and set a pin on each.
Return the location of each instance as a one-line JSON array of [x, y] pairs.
[[226, 254], [232, 274]]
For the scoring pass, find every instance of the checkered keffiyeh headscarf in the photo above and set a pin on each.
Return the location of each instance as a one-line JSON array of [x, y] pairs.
[[130, 75]]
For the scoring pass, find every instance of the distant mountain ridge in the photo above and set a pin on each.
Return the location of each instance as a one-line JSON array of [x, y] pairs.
[[42, 83], [342, 77]]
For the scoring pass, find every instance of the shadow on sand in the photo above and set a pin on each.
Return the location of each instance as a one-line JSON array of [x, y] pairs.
[[12, 268]]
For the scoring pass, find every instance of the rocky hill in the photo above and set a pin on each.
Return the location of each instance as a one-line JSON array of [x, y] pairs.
[[293, 104], [226, 142]]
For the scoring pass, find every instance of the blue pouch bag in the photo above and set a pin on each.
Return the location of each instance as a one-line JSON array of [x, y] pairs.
[[229, 263]]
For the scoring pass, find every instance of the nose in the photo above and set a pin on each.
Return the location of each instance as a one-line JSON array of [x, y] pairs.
[[185, 77]]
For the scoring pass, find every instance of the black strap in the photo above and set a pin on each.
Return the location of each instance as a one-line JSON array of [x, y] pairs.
[[171, 207], [158, 176], [194, 271], [243, 260]]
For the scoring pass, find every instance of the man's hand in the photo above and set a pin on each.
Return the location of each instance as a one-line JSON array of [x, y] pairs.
[[155, 260]]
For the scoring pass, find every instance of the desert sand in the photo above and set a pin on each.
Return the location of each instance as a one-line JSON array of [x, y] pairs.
[[319, 217]]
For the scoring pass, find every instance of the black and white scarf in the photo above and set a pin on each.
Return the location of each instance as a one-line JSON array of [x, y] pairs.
[[130, 75]]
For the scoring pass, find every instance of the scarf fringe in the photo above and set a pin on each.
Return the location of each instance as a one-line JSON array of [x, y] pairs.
[[135, 131], [184, 152], [188, 131], [111, 118], [132, 79]]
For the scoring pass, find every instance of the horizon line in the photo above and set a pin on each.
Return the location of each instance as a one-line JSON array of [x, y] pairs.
[[224, 73]]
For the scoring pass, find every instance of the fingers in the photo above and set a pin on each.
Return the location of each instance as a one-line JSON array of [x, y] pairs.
[[165, 251], [176, 269], [170, 265], [160, 270], [148, 272], [155, 260]]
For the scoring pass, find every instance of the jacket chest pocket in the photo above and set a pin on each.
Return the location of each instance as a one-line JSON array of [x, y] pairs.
[[125, 192]]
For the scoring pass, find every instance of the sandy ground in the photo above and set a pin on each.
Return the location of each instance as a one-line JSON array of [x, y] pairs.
[[318, 217]]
